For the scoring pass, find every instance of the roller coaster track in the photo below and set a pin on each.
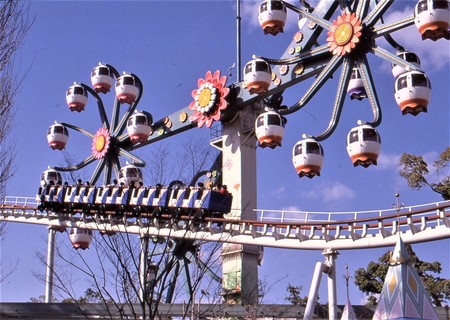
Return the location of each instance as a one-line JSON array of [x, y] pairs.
[[273, 228]]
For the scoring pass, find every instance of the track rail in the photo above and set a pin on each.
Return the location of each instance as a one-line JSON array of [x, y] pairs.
[[273, 228]]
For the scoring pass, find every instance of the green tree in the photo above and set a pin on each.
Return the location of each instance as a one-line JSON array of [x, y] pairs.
[[14, 26], [371, 280], [415, 171], [294, 295], [90, 296]]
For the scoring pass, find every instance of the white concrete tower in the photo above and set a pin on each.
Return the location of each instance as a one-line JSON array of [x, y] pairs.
[[240, 262]]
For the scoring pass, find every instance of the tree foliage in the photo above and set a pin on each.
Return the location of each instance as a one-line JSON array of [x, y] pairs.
[[371, 280], [90, 296], [14, 25], [295, 295], [417, 173]]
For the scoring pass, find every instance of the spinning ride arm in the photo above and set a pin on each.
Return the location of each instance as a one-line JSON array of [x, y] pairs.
[[366, 76], [326, 73], [339, 102], [101, 107], [82, 164], [121, 127]]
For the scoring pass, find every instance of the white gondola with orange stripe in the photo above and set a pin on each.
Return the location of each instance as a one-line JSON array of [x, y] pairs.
[[363, 145], [272, 16], [307, 156], [431, 18], [412, 92]]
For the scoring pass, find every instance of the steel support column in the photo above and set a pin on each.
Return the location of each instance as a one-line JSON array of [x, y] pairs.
[[143, 268], [50, 265], [330, 261]]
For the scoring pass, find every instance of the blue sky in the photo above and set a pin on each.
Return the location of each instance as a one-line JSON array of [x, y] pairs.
[[169, 45]]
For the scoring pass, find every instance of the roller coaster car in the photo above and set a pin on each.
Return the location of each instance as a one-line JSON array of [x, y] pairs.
[[50, 197], [412, 92], [117, 200], [102, 78], [79, 197], [214, 203], [112, 199], [76, 97], [363, 145], [431, 18], [410, 57], [57, 136], [126, 89], [272, 16]]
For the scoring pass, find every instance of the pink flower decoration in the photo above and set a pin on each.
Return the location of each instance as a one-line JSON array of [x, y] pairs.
[[344, 34], [100, 143], [209, 99]]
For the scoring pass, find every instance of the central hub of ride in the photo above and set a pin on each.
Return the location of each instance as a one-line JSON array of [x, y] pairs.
[[344, 34], [100, 143], [206, 97]]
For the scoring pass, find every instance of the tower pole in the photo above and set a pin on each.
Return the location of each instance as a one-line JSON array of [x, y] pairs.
[[330, 260], [238, 41], [240, 262], [50, 265]]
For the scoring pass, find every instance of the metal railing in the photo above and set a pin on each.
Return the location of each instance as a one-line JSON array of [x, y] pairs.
[[291, 216], [18, 201]]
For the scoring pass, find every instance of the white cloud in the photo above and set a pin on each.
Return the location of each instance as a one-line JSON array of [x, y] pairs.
[[433, 55], [388, 161], [249, 13], [279, 192], [291, 208], [330, 192]]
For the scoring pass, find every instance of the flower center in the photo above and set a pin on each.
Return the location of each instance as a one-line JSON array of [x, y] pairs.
[[100, 143], [343, 34], [204, 97]]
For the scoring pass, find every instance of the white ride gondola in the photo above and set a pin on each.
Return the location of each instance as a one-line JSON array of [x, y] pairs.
[[363, 145], [50, 177], [139, 126], [257, 76], [431, 18], [412, 92], [130, 175], [269, 129], [410, 57], [127, 89], [102, 78], [80, 238], [57, 136], [307, 156], [355, 86], [76, 97], [272, 16]]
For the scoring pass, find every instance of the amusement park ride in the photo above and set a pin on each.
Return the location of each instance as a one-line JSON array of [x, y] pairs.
[[251, 113]]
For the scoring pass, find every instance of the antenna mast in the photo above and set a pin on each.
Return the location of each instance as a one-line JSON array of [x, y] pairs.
[[238, 41]]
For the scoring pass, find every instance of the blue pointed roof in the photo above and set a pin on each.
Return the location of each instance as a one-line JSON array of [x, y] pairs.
[[403, 295], [348, 313]]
